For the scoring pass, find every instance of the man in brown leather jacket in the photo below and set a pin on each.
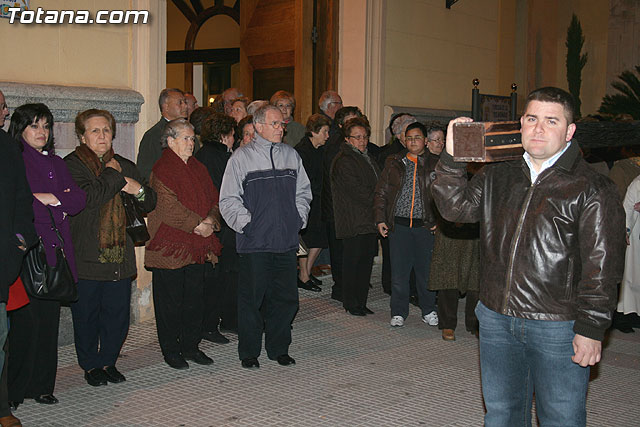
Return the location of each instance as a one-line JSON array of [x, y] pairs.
[[552, 244]]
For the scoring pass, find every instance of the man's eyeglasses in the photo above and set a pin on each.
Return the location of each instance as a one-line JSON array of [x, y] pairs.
[[275, 124], [414, 138], [438, 140], [359, 137]]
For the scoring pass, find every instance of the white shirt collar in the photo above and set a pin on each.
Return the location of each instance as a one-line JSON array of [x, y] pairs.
[[546, 165]]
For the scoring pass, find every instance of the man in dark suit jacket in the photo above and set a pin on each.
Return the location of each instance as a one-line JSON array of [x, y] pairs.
[[173, 105], [16, 235]]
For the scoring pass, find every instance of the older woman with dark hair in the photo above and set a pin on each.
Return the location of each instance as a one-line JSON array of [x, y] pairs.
[[182, 240], [245, 132], [106, 257], [354, 176], [33, 338], [220, 286], [239, 108], [286, 103], [311, 150]]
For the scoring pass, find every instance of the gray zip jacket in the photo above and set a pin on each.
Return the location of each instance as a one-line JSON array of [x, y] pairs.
[[265, 197]]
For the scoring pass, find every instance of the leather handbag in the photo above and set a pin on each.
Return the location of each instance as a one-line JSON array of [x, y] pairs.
[[44, 281], [136, 227]]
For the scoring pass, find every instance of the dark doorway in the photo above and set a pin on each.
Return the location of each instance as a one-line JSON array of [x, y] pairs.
[[266, 82]]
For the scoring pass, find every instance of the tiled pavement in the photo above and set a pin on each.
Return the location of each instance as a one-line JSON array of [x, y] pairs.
[[351, 372]]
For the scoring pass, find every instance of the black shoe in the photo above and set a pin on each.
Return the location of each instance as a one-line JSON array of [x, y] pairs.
[[176, 362], [47, 399], [113, 375], [96, 377], [355, 312], [250, 362], [315, 280], [366, 310], [199, 357], [14, 405], [286, 360], [216, 337], [309, 286], [336, 296]]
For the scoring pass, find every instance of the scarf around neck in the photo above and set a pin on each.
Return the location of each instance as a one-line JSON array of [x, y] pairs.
[[112, 236], [194, 189]]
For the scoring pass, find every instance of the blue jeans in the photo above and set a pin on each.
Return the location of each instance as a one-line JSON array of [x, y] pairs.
[[520, 356]]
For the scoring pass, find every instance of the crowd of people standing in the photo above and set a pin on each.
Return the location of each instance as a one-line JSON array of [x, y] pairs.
[[240, 201]]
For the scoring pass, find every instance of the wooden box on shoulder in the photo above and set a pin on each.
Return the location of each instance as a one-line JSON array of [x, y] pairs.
[[486, 141]]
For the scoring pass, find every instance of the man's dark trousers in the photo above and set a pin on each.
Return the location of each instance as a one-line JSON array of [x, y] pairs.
[[267, 301]]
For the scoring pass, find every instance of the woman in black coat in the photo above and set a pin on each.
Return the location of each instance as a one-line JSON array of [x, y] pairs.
[[354, 175], [220, 293], [311, 150]]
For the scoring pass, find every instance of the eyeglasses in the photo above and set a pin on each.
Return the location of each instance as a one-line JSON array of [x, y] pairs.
[[275, 124], [359, 137], [439, 140], [414, 138]]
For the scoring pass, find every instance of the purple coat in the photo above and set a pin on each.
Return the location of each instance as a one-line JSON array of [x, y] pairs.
[[48, 173]]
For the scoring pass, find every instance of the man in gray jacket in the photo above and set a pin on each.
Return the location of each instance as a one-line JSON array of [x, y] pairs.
[[265, 197]]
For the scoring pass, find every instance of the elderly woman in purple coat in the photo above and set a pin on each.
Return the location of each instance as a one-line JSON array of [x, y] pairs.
[[33, 338]]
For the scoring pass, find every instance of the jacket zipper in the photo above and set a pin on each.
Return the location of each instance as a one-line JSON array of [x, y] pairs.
[[514, 243]]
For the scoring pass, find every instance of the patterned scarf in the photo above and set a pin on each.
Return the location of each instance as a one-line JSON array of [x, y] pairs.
[[111, 233]]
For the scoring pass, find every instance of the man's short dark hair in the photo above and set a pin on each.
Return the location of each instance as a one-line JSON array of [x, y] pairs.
[[162, 99], [555, 95], [356, 122], [417, 125], [344, 112]]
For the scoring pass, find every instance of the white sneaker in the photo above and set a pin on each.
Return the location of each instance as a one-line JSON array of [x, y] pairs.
[[397, 321], [431, 319]]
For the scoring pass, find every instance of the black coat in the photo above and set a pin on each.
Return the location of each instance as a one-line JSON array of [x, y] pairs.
[[150, 148], [331, 149], [214, 156], [353, 184], [16, 212], [312, 160], [84, 226], [389, 150]]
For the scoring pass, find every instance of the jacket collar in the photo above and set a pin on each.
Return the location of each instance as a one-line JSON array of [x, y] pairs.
[[567, 162]]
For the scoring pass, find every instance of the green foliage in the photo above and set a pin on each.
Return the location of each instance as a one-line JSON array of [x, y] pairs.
[[575, 61], [628, 100]]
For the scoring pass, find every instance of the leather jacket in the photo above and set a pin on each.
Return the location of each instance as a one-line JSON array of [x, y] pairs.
[[550, 250], [391, 182]]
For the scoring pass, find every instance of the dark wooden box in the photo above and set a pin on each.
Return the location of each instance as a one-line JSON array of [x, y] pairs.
[[486, 141]]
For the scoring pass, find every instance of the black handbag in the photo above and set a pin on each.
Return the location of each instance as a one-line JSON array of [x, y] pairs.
[[44, 281], [136, 227]]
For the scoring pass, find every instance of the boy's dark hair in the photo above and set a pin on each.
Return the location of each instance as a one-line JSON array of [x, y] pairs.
[[417, 125]]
